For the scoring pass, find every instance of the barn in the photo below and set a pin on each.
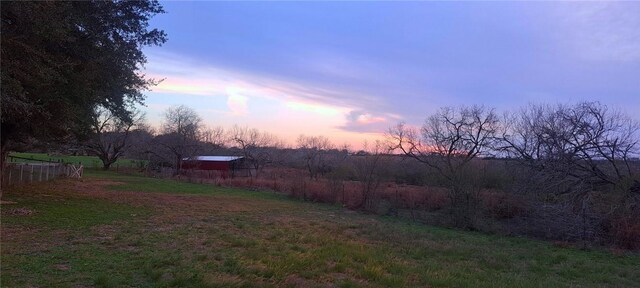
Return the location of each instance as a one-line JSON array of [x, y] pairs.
[[226, 166]]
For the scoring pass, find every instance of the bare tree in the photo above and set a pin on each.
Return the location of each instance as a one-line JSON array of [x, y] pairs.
[[448, 141], [257, 147], [181, 129], [587, 141], [315, 150], [577, 153], [576, 148], [369, 167], [213, 140], [110, 134], [215, 136]]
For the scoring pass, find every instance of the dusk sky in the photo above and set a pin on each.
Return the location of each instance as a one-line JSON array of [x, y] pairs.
[[349, 70]]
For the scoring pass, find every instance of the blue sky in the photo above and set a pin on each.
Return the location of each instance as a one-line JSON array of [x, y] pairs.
[[349, 70]]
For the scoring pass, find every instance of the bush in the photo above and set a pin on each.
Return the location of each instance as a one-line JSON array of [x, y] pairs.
[[501, 205], [625, 232]]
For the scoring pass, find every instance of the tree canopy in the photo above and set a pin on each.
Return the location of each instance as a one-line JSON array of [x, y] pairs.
[[60, 60]]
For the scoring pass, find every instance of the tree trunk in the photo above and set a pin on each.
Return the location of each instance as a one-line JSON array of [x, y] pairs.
[[3, 162], [178, 164]]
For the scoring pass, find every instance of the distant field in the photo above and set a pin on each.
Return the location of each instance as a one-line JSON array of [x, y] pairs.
[[110, 230], [87, 161]]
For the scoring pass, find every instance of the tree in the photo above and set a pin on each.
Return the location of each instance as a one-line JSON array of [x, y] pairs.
[[181, 134], [573, 149], [257, 147], [581, 156], [142, 144], [110, 138], [213, 139], [369, 167], [585, 142], [315, 150], [448, 141], [60, 60]]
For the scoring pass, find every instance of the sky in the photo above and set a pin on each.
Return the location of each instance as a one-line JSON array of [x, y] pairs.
[[351, 70]]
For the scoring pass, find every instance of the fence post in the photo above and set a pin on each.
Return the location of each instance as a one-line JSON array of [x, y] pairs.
[[9, 174], [21, 171], [47, 179], [40, 176], [31, 175]]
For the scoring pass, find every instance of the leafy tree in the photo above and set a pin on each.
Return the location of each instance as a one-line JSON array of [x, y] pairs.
[[60, 60]]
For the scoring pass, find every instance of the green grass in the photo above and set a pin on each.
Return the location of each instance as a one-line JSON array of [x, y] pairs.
[[72, 214], [87, 161], [144, 232], [147, 184]]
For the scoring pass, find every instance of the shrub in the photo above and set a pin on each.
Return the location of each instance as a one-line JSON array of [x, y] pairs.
[[625, 232], [501, 205]]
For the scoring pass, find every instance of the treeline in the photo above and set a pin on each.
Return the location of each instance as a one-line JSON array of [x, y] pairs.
[[564, 172]]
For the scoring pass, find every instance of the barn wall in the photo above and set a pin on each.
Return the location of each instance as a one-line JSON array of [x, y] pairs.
[[206, 165], [226, 168]]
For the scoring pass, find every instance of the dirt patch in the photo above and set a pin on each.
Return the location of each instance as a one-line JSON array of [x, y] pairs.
[[296, 281], [17, 211], [39, 240], [62, 267], [222, 279]]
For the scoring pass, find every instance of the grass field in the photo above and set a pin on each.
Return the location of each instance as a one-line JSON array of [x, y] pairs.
[[111, 230], [87, 161]]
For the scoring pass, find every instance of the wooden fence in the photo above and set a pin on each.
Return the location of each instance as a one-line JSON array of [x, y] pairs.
[[18, 173]]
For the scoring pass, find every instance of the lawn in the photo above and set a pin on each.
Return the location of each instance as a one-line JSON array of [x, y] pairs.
[[111, 230], [87, 161]]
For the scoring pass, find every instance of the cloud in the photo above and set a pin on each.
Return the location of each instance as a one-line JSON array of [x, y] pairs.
[[236, 102], [314, 108], [367, 119], [368, 122], [186, 76], [338, 66]]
